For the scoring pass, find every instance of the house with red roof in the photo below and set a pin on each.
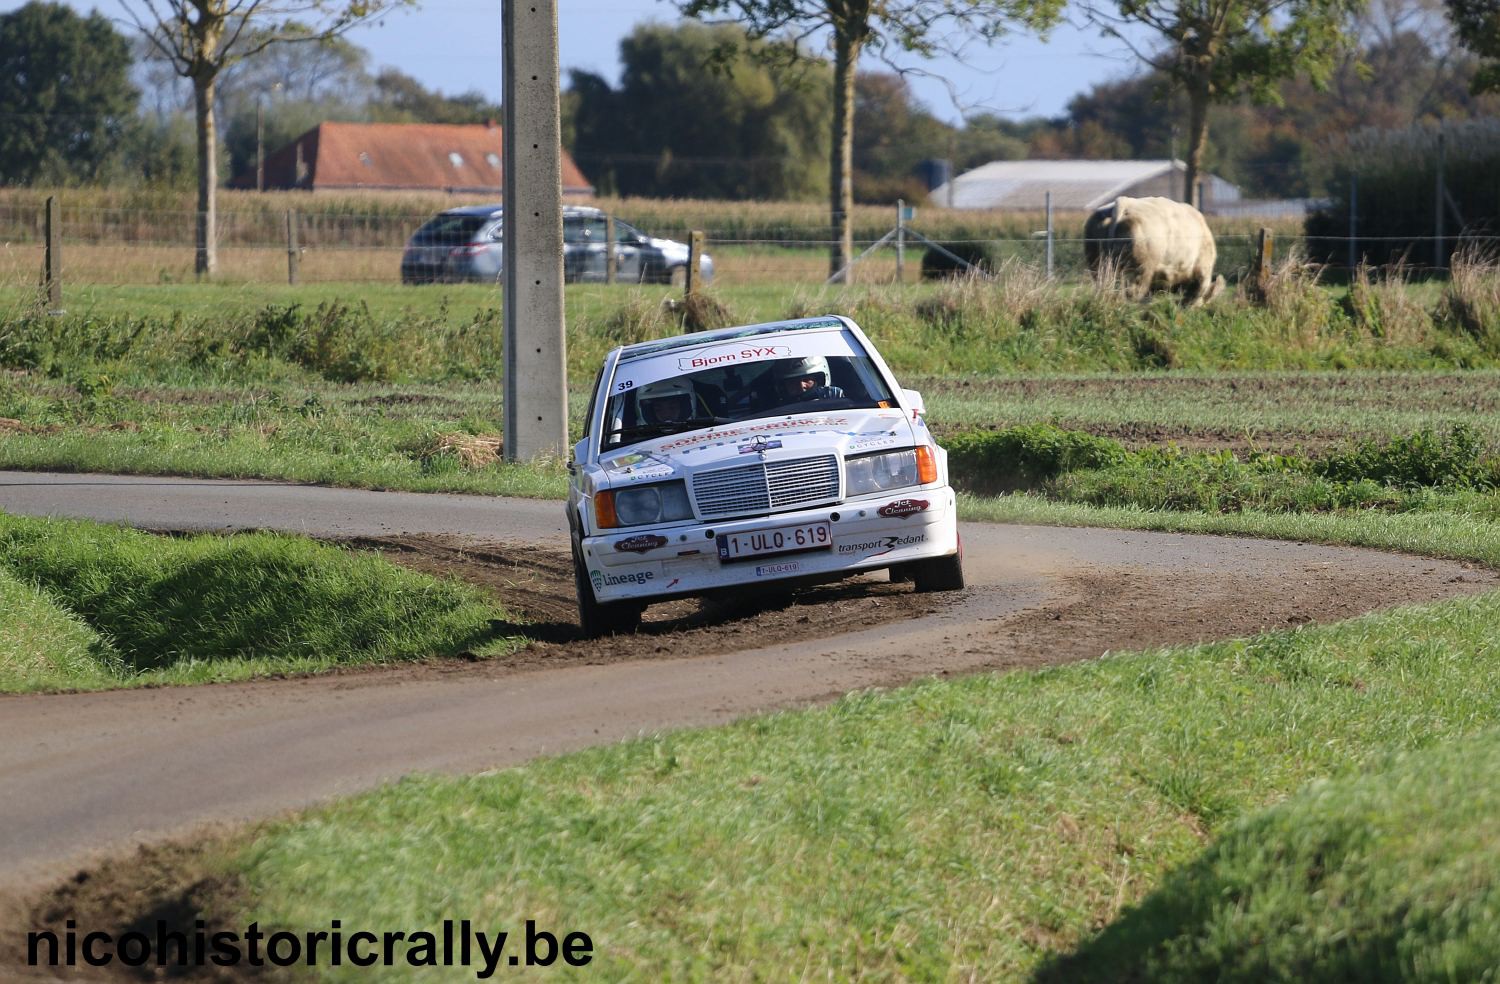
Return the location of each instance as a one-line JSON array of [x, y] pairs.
[[446, 157]]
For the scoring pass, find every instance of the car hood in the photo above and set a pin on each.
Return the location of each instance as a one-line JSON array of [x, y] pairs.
[[764, 439], [671, 248]]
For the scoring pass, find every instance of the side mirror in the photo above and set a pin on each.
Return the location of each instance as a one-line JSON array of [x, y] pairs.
[[913, 399]]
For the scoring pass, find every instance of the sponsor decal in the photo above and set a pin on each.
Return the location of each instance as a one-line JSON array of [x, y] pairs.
[[640, 543], [729, 356], [770, 426], [760, 444], [872, 442], [902, 508], [647, 474], [775, 570], [889, 543], [604, 579]]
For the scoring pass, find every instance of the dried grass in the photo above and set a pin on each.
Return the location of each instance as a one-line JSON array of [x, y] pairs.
[[1383, 306], [473, 451], [1471, 301]]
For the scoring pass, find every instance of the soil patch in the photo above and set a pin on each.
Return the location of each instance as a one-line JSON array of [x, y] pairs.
[[537, 583]]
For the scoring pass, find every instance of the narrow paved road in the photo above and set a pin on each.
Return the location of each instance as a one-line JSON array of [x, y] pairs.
[[86, 773]]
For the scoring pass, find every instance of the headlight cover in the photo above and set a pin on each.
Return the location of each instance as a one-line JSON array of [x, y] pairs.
[[872, 473], [664, 502]]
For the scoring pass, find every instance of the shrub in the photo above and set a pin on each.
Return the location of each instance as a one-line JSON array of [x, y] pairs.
[[1457, 457], [1024, 457]]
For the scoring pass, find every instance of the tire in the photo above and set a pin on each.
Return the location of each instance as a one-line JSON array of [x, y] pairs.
[[601, 618], [940, 573], [677, 276]]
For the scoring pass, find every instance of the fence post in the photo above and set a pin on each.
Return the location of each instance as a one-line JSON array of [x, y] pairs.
[[1353, 221], [611, 258], [900, 241], [291, 246], [52, 269], [1263, 262], [695, 258], [1439, 260], [1049, 235]]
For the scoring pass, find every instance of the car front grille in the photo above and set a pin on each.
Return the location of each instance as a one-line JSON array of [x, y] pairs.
[[767, 486]]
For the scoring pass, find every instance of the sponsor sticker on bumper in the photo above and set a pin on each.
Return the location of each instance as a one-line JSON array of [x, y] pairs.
[[875, 546], [902, 508]]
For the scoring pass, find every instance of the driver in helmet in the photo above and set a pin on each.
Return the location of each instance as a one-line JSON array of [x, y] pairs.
[[798, 380], [669, 401]]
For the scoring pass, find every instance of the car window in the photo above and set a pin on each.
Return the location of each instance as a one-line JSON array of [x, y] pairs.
[[449, 230], [627, 233], [583, 229], [728, 383]]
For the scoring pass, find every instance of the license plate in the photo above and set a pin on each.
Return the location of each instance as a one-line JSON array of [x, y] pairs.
[[783, 539]]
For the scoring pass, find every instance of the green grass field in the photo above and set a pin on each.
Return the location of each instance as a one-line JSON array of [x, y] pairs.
[[1151, 816], [971, 828]]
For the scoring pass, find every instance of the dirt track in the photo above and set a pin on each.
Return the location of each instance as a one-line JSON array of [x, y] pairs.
[[84, 774]]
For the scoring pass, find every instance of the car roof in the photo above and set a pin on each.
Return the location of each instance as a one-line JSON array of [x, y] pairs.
[[642, 349], [569, 211]]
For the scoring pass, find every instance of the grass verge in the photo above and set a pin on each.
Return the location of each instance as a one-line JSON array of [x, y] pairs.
[[950, 829], [1386, 877], [89, 606]]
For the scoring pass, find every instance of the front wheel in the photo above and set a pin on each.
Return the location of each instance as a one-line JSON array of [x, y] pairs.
[[939, 573], [601, 618]]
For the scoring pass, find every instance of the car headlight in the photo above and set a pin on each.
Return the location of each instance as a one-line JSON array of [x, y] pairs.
[[663, 502], [883, 472]]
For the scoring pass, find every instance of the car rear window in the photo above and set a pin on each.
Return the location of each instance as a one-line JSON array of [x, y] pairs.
[[450, 230]]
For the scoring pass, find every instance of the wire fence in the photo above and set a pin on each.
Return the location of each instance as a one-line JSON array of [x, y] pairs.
[[112, 246]]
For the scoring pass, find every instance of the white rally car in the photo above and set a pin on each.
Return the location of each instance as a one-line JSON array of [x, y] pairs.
[[779, 452]]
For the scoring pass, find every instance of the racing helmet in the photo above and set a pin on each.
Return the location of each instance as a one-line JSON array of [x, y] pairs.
[[811, 365], [665, 401]]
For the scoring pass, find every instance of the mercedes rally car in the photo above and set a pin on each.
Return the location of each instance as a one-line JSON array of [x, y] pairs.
[[772, 453]]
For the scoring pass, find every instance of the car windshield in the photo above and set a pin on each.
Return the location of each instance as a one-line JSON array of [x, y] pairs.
[[731, 381], [449, 230]]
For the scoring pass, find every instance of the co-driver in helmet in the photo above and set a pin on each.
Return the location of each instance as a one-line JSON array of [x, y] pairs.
[[798, 380]]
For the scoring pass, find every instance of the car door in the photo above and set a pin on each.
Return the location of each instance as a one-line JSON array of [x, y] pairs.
[[583, 248], [629, 253]]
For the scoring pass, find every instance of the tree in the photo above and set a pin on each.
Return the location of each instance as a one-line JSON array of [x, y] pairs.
[[924, 27], [399, 98], [203, 38], [1478, 25], [65, 92], [267, 101], [1218, 51], [892, 134], [674, 127]]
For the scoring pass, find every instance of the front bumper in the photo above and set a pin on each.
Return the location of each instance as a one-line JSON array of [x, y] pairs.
[[655, 563]]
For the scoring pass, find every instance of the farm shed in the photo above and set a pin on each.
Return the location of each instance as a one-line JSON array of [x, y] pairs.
[[397, 157], [1076, 186]]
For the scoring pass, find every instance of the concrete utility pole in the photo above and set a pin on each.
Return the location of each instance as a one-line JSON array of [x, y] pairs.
[[536, 384]]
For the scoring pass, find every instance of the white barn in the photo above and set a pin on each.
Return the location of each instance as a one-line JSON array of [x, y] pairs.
[[1075, 185]]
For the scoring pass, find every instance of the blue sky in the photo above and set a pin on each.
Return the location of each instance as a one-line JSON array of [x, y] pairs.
[[454, 46], [1019, 77]]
